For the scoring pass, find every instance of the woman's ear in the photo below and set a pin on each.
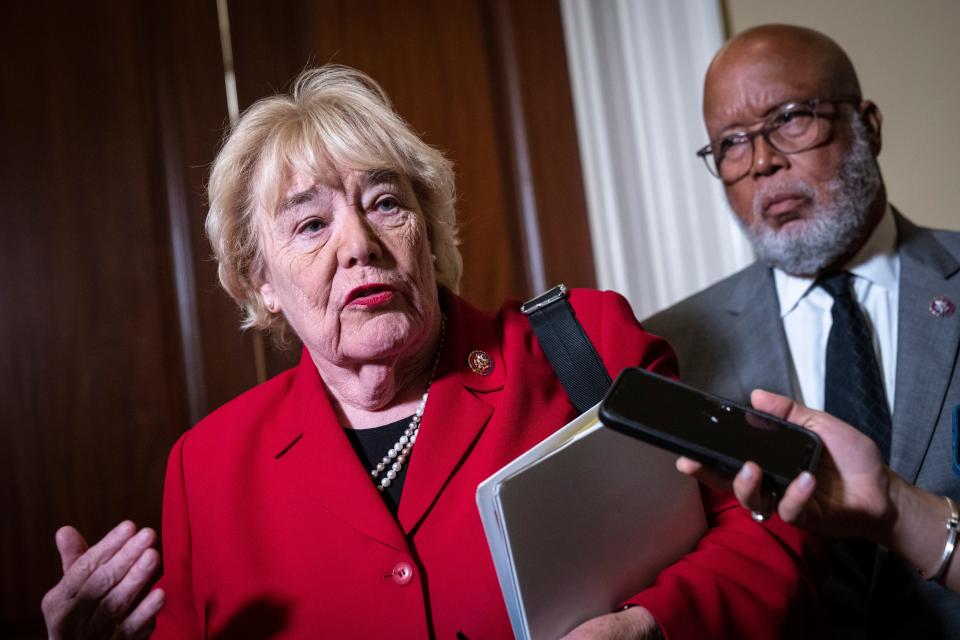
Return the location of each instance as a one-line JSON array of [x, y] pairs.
[[269, 297]]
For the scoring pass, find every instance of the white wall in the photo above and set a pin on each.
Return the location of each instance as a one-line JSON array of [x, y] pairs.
[[660, 225], [907, 55]]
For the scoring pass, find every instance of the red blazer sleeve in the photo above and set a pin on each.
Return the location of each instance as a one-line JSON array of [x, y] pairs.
[[744, 579], [178, 619]]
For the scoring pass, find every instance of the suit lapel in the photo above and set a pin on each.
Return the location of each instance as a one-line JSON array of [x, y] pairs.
[[762, 359], [926, 344], [313, 455], [449, 428], [456, 411]]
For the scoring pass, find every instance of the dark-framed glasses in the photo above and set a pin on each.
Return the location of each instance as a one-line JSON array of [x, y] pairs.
[[791, 128]]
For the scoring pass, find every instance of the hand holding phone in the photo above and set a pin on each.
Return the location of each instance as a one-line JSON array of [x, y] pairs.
[[714, 431], [852, 492]]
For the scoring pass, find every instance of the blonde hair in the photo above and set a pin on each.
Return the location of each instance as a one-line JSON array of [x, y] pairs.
[[334, 116]]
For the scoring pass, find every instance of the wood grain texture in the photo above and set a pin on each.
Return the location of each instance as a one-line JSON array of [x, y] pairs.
[[540, 63], [191, 100], [109, 113]]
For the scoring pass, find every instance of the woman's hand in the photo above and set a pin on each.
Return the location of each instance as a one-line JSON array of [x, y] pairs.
[[851, 492], [100, 585], [634, 623]]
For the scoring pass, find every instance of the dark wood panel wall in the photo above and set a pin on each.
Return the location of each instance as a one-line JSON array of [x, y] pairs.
[[532, 43], [118, 335]]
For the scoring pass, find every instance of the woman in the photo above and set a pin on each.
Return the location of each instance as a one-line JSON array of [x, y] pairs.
[[853, 494], [338, 498]]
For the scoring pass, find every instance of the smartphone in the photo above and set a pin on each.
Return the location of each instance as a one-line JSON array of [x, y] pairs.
[[717, 432]]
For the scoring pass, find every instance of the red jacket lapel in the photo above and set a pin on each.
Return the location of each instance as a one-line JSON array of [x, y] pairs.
[[311, 449], [457, 391]]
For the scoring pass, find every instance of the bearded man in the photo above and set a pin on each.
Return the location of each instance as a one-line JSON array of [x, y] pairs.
[[849, 307]]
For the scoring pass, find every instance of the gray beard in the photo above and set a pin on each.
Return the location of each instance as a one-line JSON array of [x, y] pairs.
[[840, 216]]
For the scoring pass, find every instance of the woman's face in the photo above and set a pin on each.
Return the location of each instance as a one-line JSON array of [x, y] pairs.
[[348, 262]]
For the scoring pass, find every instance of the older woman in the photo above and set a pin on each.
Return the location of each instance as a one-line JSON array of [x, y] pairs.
[[338, 498]]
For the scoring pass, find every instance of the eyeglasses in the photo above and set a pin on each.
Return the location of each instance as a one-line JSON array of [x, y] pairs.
[[792, 128]]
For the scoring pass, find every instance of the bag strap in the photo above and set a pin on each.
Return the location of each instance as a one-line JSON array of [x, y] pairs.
[[570, 352]]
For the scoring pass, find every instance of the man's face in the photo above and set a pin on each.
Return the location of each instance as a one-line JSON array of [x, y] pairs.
[[804, 211]]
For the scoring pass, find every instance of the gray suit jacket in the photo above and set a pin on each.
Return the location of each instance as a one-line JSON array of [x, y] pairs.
[[729, 340]]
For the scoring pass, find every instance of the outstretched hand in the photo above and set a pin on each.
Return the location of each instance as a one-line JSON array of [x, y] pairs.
[[100, 584], [848, 495]]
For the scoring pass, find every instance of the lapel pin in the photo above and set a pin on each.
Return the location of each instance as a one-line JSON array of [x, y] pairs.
[[942, 307], [480, 363]]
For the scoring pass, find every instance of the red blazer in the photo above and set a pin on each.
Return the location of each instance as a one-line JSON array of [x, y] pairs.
[[272, 528]]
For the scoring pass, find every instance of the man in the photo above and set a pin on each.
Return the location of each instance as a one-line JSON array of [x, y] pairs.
[[796, 145]]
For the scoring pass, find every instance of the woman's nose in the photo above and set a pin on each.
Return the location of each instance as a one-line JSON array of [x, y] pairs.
[[359, 244]]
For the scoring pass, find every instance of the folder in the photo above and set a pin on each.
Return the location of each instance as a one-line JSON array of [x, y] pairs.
[[581, 522]]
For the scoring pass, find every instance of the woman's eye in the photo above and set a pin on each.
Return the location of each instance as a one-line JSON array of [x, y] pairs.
[[313, 225], [387, 204]]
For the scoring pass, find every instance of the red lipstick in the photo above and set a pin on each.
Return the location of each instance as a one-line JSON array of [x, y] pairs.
[[369, 296]]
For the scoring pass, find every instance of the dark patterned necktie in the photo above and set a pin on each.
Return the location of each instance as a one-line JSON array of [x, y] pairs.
[[853, 386]]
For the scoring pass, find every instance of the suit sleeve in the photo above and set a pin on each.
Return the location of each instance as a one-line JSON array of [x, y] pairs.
[[178, 618], [744, 579]]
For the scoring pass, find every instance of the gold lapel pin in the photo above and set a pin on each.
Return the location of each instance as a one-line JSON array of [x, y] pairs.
[[480, 363]]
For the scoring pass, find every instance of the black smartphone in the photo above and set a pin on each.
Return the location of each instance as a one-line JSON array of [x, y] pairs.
[[717, 432]]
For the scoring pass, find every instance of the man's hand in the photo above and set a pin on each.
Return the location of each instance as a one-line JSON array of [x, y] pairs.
[[850, 494], [634, 623], [100, 585]]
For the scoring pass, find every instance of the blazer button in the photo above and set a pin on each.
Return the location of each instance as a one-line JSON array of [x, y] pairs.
[[402, 573]]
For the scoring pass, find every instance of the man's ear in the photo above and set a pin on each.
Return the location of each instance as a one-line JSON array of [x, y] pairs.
[[871, 117]]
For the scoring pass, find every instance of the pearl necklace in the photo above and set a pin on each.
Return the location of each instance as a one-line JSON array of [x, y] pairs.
[[398, 454]]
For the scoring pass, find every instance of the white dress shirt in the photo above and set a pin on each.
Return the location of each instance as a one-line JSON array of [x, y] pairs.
[[805, 311]]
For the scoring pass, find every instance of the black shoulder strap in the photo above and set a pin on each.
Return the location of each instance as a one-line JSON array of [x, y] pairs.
[[569, 350]]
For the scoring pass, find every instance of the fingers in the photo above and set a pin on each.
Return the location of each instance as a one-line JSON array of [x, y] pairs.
[[772, 403], [710, 477], [134, 577], [71, 546], [688, 466], [747, 487], [92, 574], [140, 622], [790, 410], [83, 568], [793, 504], [60, 602]]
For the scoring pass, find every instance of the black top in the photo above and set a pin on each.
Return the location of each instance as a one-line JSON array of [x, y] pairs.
[[371, 445]]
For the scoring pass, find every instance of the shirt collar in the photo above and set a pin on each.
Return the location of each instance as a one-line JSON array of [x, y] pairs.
[[876, 261]]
